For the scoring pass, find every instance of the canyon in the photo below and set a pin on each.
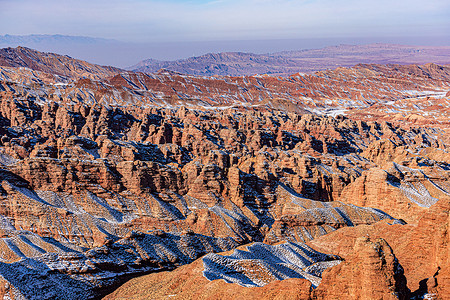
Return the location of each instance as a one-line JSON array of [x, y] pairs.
[[123, 184]]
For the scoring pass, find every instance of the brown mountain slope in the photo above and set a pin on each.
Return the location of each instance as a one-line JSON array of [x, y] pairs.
[[53, 63]]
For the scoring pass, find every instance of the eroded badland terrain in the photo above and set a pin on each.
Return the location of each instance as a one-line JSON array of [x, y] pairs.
[[330, 185]]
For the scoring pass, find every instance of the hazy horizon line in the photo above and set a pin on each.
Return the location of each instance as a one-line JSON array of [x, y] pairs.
[[124, 54]]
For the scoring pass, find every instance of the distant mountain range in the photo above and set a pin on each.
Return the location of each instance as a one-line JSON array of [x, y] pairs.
[[117, 53], [306, 61]]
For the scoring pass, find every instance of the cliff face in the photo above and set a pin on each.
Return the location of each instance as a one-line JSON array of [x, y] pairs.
[[421, 249], [99, 183], [371, 271]]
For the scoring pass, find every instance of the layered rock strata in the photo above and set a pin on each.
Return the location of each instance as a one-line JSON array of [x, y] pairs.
[[99, 183]]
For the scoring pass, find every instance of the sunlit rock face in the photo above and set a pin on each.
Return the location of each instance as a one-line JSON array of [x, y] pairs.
[[114, 174]]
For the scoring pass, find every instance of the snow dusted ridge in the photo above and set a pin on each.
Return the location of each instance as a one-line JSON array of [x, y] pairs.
[[68, 273], [98, 183], [415, 190], [260, 264], [383, 89]]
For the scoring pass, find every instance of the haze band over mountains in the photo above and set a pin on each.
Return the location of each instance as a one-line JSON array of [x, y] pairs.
[[303, 55]]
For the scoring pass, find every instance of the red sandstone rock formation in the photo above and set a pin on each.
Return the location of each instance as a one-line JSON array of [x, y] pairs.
[[421, 249], [99, 181], [371, 271]]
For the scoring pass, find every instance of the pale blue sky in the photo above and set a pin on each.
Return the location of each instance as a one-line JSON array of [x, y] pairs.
[[203, 20]]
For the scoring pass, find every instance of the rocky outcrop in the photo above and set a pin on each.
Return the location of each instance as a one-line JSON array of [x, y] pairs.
[[421, 249], [371, 272], [404, 189]]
